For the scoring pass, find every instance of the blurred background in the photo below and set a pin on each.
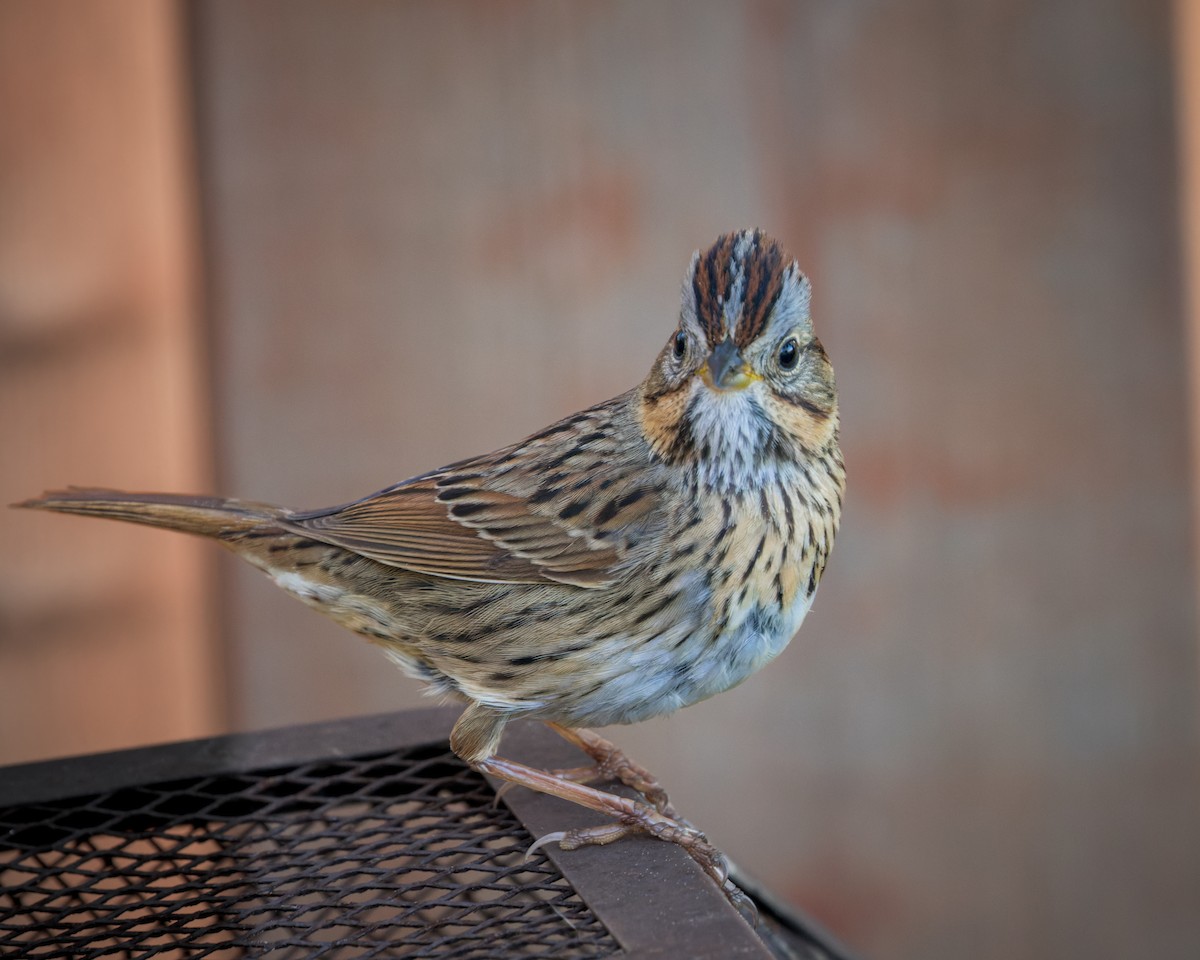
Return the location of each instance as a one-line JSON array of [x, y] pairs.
[[297, 251]]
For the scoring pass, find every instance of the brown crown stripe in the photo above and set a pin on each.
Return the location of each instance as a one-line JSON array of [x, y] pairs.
[[764, 282], [764, 267], [711, 285]]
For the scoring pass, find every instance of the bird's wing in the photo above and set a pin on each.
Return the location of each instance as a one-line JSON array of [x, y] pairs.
[[561, 506]]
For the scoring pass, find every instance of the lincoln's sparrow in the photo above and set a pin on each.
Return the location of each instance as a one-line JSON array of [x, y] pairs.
[[631, 559]]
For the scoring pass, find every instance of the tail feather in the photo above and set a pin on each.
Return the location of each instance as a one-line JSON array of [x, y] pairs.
[[207, 516]]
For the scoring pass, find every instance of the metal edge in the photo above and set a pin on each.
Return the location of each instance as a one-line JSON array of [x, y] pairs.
[[654, 899], [61, 779]]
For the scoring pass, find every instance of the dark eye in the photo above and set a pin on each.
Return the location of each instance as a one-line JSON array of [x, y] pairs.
[[680, 345], [789, 353]]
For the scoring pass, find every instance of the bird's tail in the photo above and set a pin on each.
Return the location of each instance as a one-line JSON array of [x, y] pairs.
[[207, 516]]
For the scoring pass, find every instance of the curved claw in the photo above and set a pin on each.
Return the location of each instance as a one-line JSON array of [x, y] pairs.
[[557, 837], [587, 836]]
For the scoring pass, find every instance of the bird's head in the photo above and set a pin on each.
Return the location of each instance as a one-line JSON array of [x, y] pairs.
[[742, 381]]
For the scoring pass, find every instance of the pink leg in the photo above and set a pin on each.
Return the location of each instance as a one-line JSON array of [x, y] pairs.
[[611, 763]]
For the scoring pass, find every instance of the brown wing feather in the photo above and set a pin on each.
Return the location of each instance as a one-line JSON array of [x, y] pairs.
[[408, 527], [551, 508]]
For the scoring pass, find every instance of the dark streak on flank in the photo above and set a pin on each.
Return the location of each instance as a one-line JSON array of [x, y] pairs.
[[754, 559], [788, 512]]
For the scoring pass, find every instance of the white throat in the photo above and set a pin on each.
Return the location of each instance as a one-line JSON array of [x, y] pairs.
[[730, 431]]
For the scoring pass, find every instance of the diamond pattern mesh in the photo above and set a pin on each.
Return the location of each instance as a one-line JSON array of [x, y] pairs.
[[387, 855]]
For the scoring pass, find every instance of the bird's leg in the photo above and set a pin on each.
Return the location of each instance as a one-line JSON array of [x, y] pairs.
[[475, 738], [611, 763], [632, 816]]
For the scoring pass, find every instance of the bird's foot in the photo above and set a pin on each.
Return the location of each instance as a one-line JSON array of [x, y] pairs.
[[632, 817], [641, 819], [695, 843]]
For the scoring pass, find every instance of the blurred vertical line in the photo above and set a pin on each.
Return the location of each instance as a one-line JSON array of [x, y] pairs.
[[186, 355], [1187, 121], [195, 107]]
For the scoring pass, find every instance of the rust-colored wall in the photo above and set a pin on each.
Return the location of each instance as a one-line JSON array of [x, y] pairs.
[[438, 226], [433, 227], [106, 638]]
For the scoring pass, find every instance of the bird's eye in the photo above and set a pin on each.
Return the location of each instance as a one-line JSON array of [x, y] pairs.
[[789, 353], [680, 347]]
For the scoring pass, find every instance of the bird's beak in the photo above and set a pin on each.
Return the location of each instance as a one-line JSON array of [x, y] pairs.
[[725, 369]]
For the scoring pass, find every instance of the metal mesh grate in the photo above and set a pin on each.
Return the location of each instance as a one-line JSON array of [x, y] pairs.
[[395, 854]]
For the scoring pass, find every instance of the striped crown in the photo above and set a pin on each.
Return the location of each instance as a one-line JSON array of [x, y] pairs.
[[741, 286]]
